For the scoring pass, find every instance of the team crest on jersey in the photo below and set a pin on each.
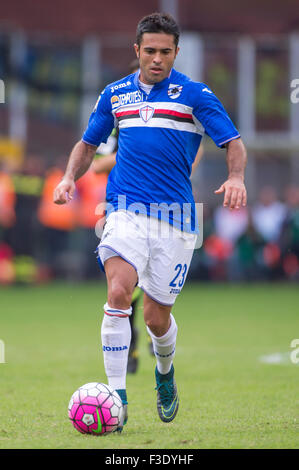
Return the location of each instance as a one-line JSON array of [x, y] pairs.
[[174, 91], [146, 113]]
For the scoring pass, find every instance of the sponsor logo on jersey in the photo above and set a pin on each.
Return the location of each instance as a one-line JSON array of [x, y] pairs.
[[174, 91], [114, 348], [127, 98], [115, 101], [146, 113], [207, 90], [120, 85]]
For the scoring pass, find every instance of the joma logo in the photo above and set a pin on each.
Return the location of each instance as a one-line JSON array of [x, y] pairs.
[[114, 348], [120, 85]]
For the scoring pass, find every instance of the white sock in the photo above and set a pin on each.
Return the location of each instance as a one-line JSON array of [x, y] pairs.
[[164, 347], [116, 339]]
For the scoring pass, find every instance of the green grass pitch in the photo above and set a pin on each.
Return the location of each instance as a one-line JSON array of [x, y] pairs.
[[228, 397]]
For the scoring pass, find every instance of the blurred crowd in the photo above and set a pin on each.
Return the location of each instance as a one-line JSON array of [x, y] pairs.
[[40, 241], [256, 243]]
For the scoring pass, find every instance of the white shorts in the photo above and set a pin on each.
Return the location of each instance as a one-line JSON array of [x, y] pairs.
[[160, 253]]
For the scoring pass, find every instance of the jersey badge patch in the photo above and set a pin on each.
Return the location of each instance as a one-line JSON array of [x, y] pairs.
[[174, 91], [115, 101], [146, 113]]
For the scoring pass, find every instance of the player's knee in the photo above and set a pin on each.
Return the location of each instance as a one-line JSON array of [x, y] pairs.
[[157, 325], [156, 317], [119, 296]]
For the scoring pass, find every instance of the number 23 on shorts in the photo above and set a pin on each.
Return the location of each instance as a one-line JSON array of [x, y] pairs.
[[180, 274]]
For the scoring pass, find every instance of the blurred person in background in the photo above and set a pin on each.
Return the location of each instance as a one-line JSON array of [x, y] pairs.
[[248, 251], [7, 201], [7, 221], [268, 215], [202, 266], [91, 190], [289, 239], [25, 241], [229, 227], [57, 222]]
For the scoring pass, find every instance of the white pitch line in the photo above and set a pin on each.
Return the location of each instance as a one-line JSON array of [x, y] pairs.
[[276, 358]]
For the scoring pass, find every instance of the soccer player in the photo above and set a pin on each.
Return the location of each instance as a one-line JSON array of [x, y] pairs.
[[162, 116], [104, 163]]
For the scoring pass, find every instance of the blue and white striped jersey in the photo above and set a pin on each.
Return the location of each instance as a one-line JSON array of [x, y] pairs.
[[159, 135]]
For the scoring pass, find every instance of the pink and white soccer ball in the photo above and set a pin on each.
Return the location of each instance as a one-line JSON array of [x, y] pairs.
[[95, 408]]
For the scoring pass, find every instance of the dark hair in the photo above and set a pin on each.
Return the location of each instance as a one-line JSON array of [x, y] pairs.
[[158, 23]]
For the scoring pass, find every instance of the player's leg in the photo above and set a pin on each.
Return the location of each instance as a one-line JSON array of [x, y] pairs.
[[170, 257], [162, 328], [150, 345], [116, 330], [133, 352]]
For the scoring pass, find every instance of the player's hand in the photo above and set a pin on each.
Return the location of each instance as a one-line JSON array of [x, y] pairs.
[[64, 191], [235, 195]]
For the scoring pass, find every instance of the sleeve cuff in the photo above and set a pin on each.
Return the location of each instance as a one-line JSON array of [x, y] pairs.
[[223, 142], [88, 143]]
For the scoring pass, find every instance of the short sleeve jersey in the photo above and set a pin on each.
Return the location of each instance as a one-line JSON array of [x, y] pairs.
[[159, 135]]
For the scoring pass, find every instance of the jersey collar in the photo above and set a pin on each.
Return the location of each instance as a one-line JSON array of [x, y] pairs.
[[156, 85]]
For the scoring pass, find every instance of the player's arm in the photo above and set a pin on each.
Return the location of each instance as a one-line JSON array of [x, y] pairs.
[[234, 190], [79, 162], [99, 127], [211, 114], [197, 159], [104, 164]]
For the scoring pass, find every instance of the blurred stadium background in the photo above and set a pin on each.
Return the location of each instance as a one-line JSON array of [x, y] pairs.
[[55, 58]]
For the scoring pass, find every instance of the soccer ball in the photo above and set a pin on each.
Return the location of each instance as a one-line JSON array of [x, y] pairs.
[[95, 408]]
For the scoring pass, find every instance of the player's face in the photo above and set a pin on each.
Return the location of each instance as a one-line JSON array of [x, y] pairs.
[[156, 54]]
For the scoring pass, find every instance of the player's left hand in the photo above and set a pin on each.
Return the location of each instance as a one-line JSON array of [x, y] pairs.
[[235, 195]]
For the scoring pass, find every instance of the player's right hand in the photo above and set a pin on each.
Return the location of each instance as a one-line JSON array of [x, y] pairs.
[[64, 191]]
